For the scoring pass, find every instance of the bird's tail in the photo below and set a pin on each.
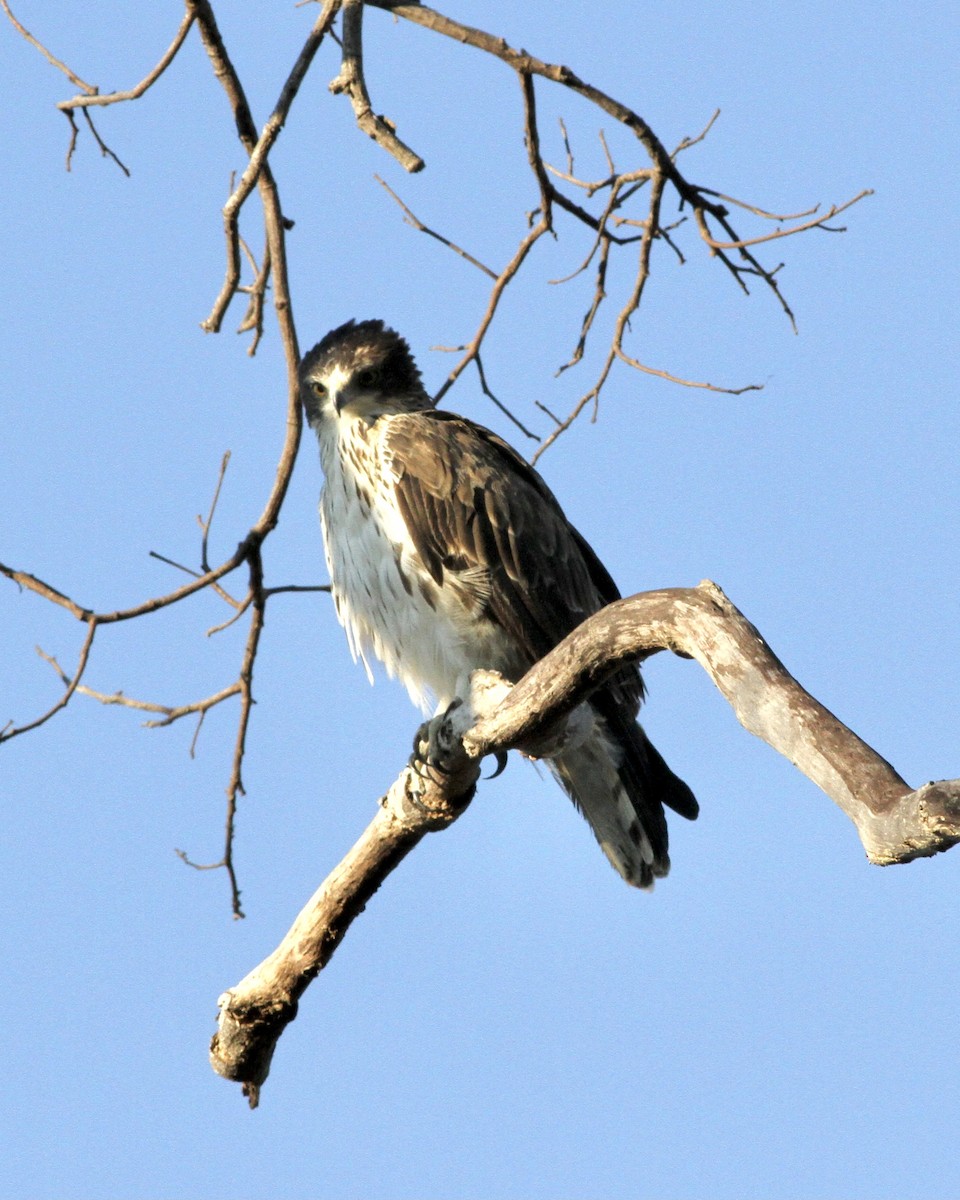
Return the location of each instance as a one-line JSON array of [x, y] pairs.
[[620, 782]]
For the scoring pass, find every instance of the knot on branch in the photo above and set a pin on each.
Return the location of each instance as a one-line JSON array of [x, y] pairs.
[[242, 1048]]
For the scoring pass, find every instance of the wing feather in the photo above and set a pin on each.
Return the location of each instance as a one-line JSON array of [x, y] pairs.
[[473, 508]]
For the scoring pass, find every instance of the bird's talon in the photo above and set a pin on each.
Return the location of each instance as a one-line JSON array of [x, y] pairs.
[[501, 757]]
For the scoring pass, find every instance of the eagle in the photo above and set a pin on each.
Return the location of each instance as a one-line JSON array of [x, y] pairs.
[[447, 553]]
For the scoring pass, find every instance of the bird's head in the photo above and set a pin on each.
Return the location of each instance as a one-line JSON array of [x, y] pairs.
[[360, 370]]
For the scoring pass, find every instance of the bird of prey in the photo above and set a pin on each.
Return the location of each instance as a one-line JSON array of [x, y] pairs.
[[447, 553]]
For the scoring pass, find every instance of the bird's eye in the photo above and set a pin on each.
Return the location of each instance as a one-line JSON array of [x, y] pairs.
[[319, 389], [368, 377]]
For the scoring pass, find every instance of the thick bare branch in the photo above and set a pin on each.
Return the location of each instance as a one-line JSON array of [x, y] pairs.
[[254, 1013], [895, 823]]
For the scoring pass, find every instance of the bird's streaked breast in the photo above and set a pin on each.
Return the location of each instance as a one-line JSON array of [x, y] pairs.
[[425, 634]]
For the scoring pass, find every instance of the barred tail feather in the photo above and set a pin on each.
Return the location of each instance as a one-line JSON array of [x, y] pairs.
[[620, 783]]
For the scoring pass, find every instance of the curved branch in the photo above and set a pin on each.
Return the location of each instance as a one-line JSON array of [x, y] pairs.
[[895, 823], [98, 99]]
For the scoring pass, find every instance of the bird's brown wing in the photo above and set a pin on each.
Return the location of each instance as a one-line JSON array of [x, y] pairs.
[[474, 509]]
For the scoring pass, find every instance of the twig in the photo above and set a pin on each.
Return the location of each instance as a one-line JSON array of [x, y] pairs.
[[543, 225], [93, 97], [75, 79], [170, 713], [687, 142], [257, 172], [235, 788], [33, 584], [478, 363], [417, 224], [297, 587], [205, 524], [91, 94], [242, 607], [815, 223], [10, 730], [253, 320], [105, 151]]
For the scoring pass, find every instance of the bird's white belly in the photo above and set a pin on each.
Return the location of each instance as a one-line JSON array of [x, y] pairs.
[[389, 605]]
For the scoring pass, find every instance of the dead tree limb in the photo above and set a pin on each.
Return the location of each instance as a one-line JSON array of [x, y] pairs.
[[895, 822]]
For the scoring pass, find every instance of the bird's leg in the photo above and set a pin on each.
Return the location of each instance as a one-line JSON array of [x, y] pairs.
[[442, 777], [435, 741], [438, 745]]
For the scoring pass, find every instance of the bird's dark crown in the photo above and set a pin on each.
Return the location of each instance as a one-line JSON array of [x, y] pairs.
[[366, 344]]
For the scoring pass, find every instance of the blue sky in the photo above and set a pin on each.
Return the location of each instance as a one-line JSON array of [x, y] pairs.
[[507, 1019]]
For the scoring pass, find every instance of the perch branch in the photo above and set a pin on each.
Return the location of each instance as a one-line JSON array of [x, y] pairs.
[[895, 823]]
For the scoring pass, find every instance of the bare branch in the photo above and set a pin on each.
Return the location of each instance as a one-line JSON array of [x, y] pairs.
[[417, 224], [254, 1014], [242, 607], [93, 97], [253, 320], [10, 730], [485, 388], [616, 348], [543, 225], [815, 223], [297, 587], [205, 524], [105, 150], [170, 713], [687, 142], [528, 64], [257, 172], [351, 81], [705, 202], [75, 79], [895, 823], [31, 583]]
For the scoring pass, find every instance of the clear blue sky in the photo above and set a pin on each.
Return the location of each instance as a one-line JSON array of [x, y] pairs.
[[507, 1019]]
